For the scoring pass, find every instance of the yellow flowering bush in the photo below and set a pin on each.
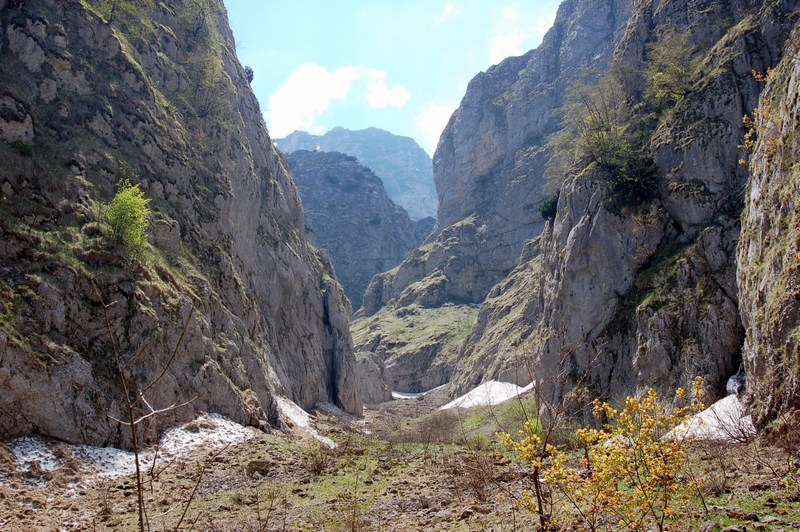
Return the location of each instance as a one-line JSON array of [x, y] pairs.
[[630, 476]]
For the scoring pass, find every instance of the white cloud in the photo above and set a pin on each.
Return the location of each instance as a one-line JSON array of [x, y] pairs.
[[431, 119], [310, 89], [450, 10], [380, 96], [506, 43], [512, 36]]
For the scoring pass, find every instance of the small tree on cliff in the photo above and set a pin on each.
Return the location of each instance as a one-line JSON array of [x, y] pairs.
[[127, 216]]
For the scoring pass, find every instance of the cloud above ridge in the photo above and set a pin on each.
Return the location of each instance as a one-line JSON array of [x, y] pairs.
[[310, 89]]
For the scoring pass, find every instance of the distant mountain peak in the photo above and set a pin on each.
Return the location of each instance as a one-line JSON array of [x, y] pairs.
[[404, 167]]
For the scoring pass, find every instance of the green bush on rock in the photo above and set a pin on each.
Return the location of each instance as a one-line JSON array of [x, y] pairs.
[[127, 216]]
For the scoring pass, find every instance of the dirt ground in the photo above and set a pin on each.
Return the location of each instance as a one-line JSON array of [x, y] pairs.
[[400, 468]]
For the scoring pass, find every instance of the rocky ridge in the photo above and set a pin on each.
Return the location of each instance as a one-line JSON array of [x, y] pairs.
[[648, 296], [614, 297], [348, 213], [489, 165], [403, 166], [95, 92]]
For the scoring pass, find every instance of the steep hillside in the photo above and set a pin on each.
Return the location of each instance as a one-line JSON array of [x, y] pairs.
[[348, 213], [405, 169], [637, 287], [489, 165], [645, 294], [229, 306], [769, 251]]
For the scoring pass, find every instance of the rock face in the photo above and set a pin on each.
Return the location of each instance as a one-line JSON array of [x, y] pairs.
[[769, 251], [489, 165], [402, 165], [374, 378], [647, 296], [349, 214], [231, 304]]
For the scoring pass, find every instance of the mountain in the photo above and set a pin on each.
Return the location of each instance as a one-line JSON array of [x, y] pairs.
[[228, 307], [402, 165], [662, 256], [489, 165], [348, 213]]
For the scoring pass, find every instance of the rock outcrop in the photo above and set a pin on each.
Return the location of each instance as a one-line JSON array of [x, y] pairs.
[[348, 213], [403, 166], [489, 165], [769, 252], [230, 303], [647, 295]]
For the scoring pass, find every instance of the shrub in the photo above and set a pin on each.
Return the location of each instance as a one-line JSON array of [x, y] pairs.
[[630, 474], [127, 217], [548, 207], [669, 68], [248, 72], [25, 149], [598, 130]]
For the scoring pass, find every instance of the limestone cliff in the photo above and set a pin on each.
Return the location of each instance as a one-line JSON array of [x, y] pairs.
[[348, 213], [490, 161], [769, 251], [93, 92], [646, 295], [403, 166]]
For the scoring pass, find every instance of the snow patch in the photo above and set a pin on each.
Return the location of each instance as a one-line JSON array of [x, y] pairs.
[[487, 394], [300, 419], [414, 395], [208, 432], [30, 450], [725, 420]]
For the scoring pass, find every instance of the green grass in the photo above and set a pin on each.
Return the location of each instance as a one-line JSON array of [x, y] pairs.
[[410, 328]]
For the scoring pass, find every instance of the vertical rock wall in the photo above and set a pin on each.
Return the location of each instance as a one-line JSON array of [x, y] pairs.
[[769, 251], [151, 92]]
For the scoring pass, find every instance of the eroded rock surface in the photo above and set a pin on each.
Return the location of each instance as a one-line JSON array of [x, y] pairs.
[[230, 287], [348, 213], [769, 251]]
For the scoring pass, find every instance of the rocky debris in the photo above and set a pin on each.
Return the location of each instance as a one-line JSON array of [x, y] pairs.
[[231, 286], [348, 213], [404, 168]]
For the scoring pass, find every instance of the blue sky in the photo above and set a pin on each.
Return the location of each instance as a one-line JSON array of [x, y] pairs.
[[400, 65]]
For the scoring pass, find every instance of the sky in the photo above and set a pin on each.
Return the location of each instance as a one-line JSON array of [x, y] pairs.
[[399, 65]]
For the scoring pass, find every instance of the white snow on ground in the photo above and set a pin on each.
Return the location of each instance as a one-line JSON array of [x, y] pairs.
[[29, 450], [209, 432], [407, 395], [725, 420], [414, 395], [487, 394], [301, 420]]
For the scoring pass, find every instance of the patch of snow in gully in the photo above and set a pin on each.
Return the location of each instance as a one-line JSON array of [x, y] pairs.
[[725, 420], [300, 419], [487, 394]]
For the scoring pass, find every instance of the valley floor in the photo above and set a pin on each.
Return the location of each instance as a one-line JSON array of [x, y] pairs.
[[405, 466]]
